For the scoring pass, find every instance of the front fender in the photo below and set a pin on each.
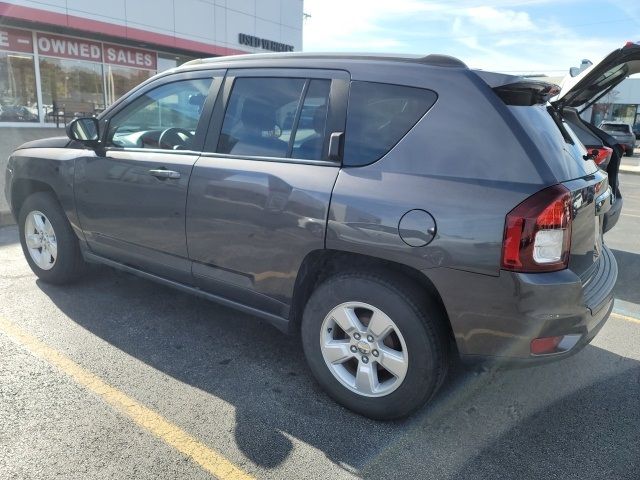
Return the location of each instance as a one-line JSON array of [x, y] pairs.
[[36, 169]]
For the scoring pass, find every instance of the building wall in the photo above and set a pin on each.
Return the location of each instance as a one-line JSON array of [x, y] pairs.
[[209, 26], [628, 91], [172, 31], [10, 138]]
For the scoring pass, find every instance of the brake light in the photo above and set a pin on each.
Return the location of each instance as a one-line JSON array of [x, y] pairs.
[[537, 234], [546, 345], [601, 155]]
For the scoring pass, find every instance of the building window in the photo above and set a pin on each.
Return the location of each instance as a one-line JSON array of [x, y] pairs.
[[18, 100], [168, 61], [119, 80], [617, 112], [70, 87]]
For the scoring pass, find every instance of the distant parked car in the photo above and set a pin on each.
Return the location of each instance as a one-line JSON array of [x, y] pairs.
[[17, 113], [636, 130], [621, 132]]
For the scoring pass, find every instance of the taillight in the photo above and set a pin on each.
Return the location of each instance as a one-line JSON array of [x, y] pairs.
[[537, 233], [601, 154]]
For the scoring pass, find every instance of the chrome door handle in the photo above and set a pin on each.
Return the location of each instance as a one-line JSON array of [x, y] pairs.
[[161, 173]]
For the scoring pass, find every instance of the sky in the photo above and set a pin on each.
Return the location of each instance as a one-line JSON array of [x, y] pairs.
[[515, 36]]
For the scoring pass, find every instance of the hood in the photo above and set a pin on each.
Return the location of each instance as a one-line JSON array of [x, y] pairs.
[[51, 142], [598, 79]]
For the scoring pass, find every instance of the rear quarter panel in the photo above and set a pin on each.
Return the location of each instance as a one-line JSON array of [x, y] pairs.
[[467, 162]]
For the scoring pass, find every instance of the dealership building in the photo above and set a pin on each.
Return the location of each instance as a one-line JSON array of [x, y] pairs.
[[59, 58]]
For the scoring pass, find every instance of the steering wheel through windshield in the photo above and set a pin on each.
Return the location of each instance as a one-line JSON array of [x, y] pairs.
[[175, 138]]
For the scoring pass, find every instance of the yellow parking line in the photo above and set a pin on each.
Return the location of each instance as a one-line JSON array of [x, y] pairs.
[[208, 459], [625, 317]]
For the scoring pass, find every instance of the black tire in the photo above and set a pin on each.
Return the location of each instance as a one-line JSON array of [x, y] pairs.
[[69, 264], [629, 152], [417, 316]]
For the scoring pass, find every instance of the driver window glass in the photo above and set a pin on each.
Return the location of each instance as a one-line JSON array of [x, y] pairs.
[[165, 117], [260, 116]]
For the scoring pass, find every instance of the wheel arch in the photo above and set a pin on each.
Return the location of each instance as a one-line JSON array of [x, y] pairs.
[[319, 265], [22, 188]]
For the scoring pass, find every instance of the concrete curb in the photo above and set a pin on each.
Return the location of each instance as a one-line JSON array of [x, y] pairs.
[[6, 218], [629, 169]]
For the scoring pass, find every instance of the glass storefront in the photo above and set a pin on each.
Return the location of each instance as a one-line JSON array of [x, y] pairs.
[[71, 82], [18, 99], [119, 80], [77, 76], [616, 112]]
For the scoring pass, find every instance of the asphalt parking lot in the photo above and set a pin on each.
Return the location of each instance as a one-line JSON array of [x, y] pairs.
[[117, 377]]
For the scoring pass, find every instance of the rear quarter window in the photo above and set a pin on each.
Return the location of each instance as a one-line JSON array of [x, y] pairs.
[[378, 116]]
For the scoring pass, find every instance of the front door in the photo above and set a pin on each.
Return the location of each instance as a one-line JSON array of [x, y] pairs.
[[258, 203], [131, 195]]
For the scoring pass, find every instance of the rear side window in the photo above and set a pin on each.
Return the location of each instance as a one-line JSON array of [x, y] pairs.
[[276, 117], [378, 116]]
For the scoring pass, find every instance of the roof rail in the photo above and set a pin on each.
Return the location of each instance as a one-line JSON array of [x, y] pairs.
[[442, 61]]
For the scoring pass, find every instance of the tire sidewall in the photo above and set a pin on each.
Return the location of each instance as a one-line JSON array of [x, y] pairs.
[[67, 244], [424, 357]]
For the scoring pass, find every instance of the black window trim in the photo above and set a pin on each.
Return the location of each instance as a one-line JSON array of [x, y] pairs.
[[216, 75], [336, 115]]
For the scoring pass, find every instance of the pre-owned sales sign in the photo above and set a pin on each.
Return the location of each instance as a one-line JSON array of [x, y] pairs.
[[130, 57], [79, 49], [69, 47], [15, 40]]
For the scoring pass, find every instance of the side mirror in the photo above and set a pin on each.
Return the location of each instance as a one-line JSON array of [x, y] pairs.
[[85, 130], [574, 71]]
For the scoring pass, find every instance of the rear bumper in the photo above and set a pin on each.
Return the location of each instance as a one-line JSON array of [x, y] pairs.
[[613, 215], [496, 318]]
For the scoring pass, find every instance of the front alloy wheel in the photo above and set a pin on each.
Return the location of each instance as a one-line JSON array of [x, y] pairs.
[[41, 240], [48, 241]]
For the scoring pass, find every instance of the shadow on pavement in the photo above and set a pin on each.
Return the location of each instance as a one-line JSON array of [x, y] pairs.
[[561, 419], [8, 235], [591, 433], [628, 285]]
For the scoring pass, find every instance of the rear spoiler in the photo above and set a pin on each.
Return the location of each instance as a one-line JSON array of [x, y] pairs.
[[520, 91]]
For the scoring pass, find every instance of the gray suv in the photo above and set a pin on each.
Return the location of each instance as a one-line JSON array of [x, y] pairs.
[[623, 133], [393, 213]]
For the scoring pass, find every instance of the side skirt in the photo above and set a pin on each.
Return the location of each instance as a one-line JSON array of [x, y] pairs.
[[280, 323]]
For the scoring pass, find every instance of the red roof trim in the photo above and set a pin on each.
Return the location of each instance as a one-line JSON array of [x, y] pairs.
[[37, 15]]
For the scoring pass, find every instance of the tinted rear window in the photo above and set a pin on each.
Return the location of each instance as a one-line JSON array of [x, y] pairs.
[[378, 116], [608, 127], [559, 146]]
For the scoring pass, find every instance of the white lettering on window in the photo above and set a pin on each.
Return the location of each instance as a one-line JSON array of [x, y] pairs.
[[58, 46], [44, 45]]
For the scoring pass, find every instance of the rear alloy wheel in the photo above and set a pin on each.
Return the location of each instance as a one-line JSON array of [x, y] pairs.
[[375, 342], [364, 349], [48, 241]]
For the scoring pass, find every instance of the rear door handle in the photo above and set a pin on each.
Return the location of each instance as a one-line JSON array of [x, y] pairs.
[[162, 173]]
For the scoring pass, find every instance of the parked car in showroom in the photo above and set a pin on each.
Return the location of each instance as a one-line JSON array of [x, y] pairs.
[[623, 133], [375, 231]]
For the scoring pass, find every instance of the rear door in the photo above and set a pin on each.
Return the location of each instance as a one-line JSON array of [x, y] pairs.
[[259, 195], [131, 195]]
